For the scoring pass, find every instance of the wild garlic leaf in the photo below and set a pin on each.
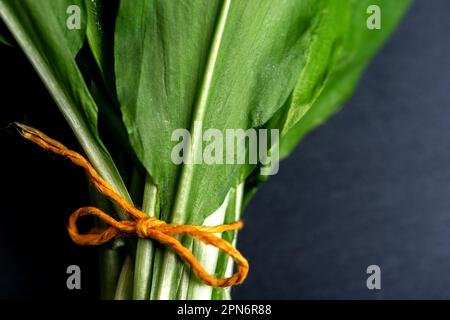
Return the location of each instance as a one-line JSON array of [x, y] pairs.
[[255, 51], [321, 43], [324, 41], [160, 53], [359, 46], [41, 30]]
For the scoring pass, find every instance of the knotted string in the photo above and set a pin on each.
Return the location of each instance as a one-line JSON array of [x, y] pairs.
[[141, 224]]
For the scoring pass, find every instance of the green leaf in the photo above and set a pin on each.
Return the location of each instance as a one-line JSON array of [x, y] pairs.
[[161, 50], [359, 46], [40, 28], [255, 56], [321, 44], [356, 46]]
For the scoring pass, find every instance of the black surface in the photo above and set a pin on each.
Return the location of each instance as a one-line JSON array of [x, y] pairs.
[[372, 186]]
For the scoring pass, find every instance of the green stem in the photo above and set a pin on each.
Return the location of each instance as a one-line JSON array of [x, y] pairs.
[[109, 258], [145, 247], [109, 265], [124, 288], [207, 256], [185, 277], [225, 263]]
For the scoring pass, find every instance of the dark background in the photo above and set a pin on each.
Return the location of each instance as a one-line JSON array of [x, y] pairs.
[[371, 186]]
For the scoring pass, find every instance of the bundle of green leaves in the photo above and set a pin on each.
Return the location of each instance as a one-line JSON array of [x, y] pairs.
[[127, 74]]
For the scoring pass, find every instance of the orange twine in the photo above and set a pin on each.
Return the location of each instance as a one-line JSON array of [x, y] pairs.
[[142, 225]]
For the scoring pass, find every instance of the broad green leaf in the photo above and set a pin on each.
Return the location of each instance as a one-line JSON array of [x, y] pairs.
[[322, 44], [41, 30], [359, 46], [161, 49], [256, 52]]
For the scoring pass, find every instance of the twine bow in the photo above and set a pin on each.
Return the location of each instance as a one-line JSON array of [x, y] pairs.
[[141, 224]]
